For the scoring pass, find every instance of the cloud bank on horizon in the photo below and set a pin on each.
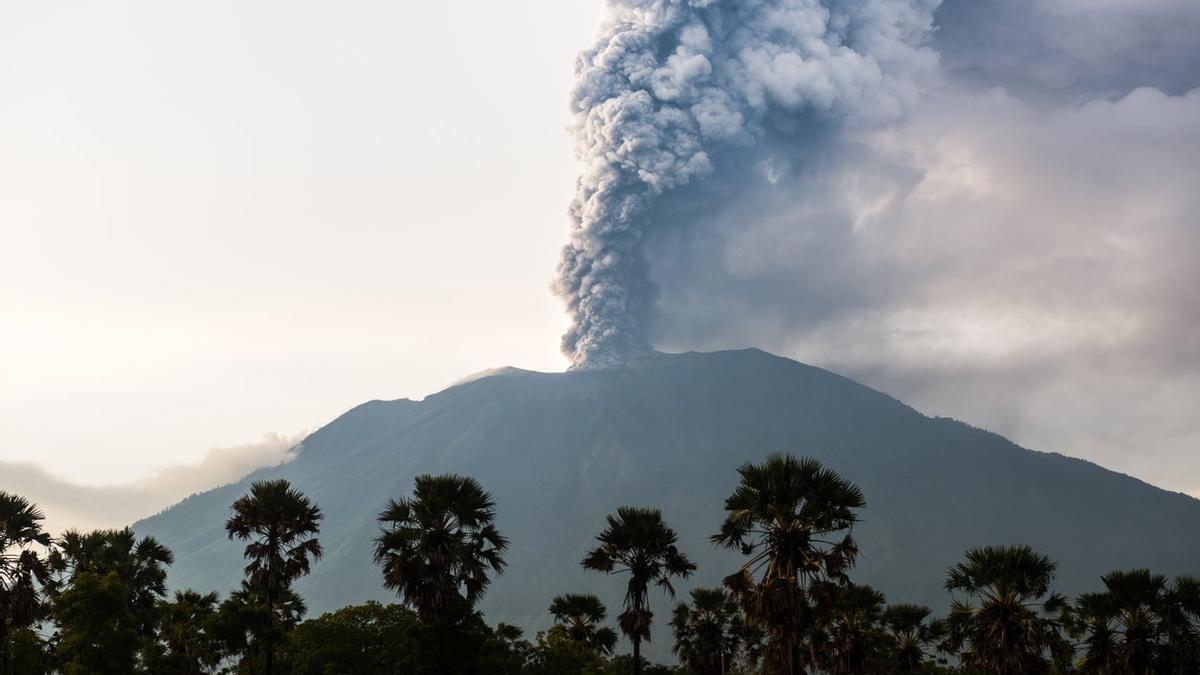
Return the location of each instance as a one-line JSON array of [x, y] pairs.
[[69, 504], [986, 207]]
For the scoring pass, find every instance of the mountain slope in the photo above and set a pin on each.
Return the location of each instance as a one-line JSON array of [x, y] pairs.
[[560, 451]]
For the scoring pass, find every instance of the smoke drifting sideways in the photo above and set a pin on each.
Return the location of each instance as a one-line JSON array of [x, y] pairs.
[[72, 505], [675, 92], [993, 219]]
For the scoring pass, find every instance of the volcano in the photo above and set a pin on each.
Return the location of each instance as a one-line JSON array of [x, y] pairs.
[[559, 451]]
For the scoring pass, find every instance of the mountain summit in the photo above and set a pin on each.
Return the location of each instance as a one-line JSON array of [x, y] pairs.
[[559, 451]]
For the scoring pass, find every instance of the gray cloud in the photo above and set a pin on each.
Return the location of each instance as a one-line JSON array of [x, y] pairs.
[[71, 505], [1015, 246], [1061, 49], [1030, 271], [671, 83]]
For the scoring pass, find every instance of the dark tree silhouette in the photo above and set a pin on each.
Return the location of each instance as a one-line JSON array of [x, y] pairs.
[[912, 637], [186, 644], [281, 525], [438, 547], [581, 617], [1122, 623], [106, 589], [1180, 627], [23, 567], [1016, 627], [242, 618], [709, 632], [139, 564], [786, 515], [637, 541], [850, 639]]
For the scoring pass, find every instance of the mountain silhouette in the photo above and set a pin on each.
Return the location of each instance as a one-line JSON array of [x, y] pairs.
[[559, 451]]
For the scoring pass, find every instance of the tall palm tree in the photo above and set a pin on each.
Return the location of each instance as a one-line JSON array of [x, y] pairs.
[[787, 515], [581, 617], [1016, 627], [639, 542], [438, 547], [281, 526], [911, 637], [708, 633], [22, 567]]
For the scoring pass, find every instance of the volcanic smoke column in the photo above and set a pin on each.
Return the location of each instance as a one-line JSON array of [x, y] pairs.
[[670, 83]]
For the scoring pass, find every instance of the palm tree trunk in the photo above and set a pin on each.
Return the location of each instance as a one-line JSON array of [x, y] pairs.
[[441, 625], [637, 655], [270, 627], [791, 655], [3, 646]]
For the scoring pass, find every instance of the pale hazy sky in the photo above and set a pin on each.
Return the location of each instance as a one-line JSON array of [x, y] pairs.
[[221, 220]]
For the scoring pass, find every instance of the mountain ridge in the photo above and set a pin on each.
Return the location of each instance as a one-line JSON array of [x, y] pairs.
[[561, 450]]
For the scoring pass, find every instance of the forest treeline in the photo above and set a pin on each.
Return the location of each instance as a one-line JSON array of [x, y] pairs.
[[96, 603]]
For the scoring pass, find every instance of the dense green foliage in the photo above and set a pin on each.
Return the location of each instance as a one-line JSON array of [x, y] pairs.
[[100, 602]]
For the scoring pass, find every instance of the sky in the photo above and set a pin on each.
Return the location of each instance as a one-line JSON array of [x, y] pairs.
[[223, 224]]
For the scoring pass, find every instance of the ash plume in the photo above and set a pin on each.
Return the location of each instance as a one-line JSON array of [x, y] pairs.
[[672, 90]]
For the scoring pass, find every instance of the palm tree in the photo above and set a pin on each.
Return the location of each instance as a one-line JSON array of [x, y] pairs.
[[1139, 624], [139, 564], [1123, 622], [580, 617], [639, 542], [281, 525], [106, 590], [910, 637], [188, 643], [22, 567], [243, 615], [708, 634], [786, 515], [1013, 629], [438, 547], [1180, 627], [850, 641]]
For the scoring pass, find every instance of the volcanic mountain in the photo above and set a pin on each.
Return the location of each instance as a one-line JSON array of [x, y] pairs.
[[559, 451]]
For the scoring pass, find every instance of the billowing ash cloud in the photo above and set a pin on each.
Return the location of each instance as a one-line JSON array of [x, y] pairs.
[[672, 85], [984, 207]]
